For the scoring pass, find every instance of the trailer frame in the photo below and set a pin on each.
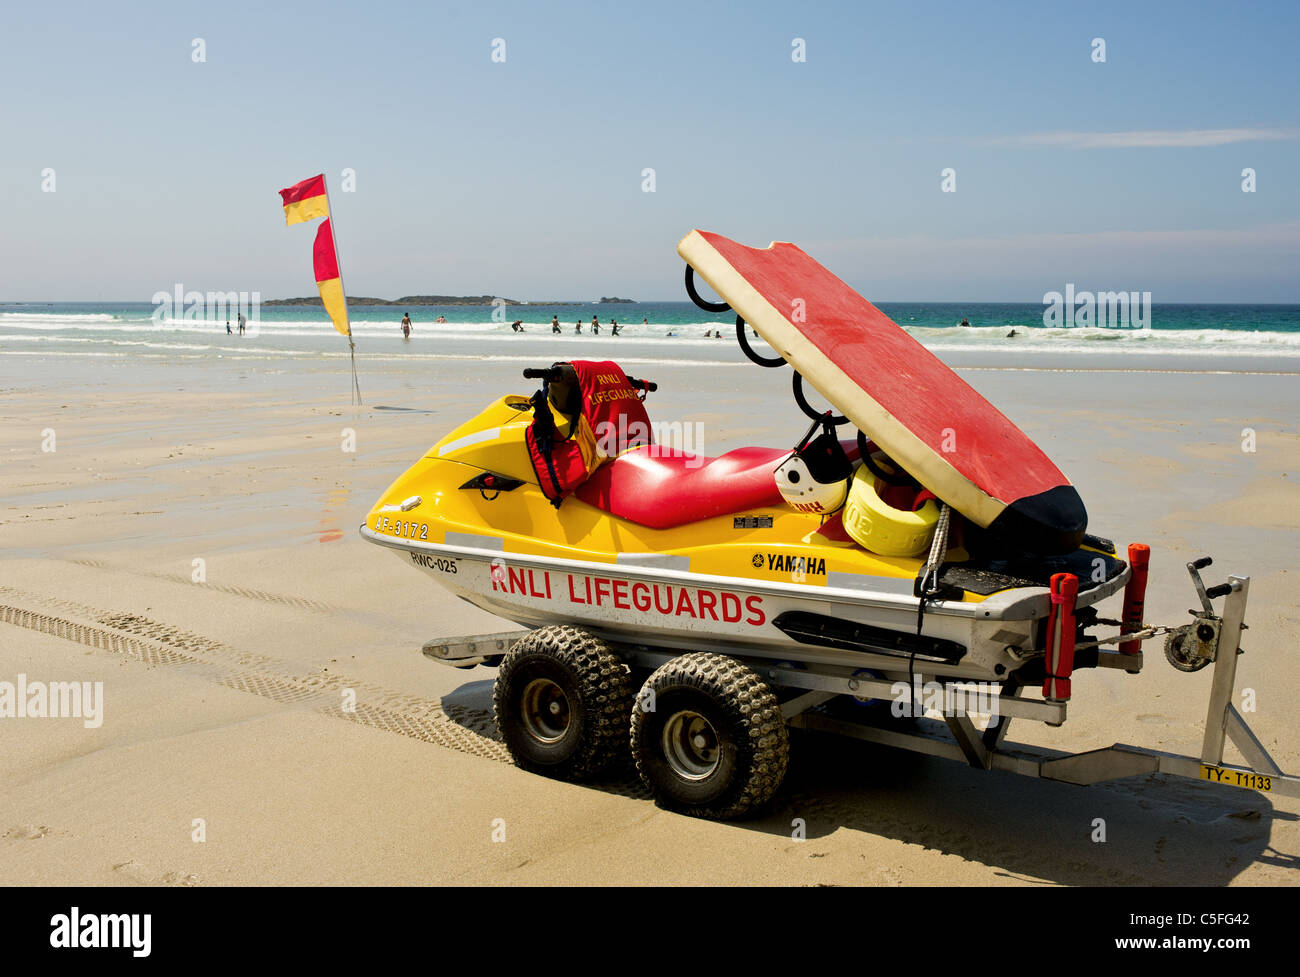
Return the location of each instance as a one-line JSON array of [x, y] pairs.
[[958, 736]]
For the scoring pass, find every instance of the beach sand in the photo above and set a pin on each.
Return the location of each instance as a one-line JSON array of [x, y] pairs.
[[222, 697]]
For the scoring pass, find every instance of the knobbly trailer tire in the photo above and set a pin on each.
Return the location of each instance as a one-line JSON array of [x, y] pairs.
[[561, 701], [715, 744]]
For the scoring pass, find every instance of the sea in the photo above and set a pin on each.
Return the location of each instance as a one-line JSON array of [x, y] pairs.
[[650, 332]]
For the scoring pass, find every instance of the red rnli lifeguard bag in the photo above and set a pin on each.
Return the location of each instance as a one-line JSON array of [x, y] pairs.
[[605, 416]]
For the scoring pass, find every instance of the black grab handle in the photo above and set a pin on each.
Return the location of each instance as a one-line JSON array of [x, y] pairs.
[[554, 375], [1223, 590], [1200, 564], [703, 303]]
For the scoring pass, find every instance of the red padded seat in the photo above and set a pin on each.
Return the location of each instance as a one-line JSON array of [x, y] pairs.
[[662, 487]]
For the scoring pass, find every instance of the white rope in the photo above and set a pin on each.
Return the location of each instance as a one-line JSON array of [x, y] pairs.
[[929, 585], [1143, 635], [356, 387], [938, 550]]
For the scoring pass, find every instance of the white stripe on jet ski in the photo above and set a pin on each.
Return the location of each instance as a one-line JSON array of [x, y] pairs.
[[879, 585], [667, 561], [476, 541], [469, 439]]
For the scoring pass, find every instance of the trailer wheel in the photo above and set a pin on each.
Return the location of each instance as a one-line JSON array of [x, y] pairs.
[[561, 701], [708, 737]]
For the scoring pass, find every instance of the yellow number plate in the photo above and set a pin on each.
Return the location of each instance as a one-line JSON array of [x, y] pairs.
[[1236, 778]]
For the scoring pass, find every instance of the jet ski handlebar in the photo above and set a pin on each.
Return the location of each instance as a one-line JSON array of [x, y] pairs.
[[554, 374]]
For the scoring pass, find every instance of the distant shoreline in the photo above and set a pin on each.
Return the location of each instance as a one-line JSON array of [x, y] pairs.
[[360, 300]]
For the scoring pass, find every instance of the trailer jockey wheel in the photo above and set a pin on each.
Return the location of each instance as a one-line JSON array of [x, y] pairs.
[[561, 701], [708, 737]]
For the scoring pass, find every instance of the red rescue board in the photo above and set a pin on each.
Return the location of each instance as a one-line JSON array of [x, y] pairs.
[[924, 416]]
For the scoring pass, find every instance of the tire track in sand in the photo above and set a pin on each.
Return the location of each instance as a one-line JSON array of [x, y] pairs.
[[155, 643], [286, 600]]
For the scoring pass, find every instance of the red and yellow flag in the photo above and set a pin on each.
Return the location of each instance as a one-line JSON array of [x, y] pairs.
[[326, 262], [305, 201]]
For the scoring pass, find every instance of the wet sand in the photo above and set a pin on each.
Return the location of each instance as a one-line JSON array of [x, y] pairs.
[[222, 697]]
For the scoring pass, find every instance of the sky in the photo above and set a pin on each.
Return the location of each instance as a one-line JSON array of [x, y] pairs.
[[524, 177]]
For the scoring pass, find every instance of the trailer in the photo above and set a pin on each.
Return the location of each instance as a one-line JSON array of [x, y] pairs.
[[709, 731]]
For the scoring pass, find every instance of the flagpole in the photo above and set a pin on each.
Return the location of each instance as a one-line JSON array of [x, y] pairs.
[[334, 235]]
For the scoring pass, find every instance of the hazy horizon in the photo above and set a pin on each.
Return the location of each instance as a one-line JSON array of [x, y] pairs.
[[673, 301]]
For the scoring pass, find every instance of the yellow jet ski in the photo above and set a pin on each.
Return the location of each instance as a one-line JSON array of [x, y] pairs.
[[759, 548], [559, 508], [934, 544]]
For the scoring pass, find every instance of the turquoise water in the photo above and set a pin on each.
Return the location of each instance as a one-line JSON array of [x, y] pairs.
[[668, 331]]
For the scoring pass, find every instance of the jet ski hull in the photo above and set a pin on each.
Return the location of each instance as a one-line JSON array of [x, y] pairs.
[[651, 599]]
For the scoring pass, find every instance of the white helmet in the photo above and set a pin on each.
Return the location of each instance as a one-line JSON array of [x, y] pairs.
[[815, 477]]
